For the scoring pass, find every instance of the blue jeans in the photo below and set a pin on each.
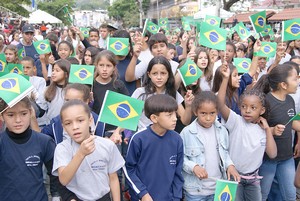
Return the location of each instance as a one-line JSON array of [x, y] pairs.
[[189, 197], [248, 190], [284, 171]]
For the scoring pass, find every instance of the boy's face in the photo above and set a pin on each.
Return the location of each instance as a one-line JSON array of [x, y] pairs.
[[281, 46], [29, 69], [171, 54], [103, 33], [164, 120], [159, 49], [94, 36]]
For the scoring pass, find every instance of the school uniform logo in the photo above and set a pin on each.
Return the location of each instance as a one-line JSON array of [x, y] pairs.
[[173, 160], [291, 112], [32, 161], [98, 165]]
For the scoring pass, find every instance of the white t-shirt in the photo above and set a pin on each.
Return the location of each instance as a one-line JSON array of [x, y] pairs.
[[91, 181], [204, 85], [144, 121], [145, 56], [247, 143]]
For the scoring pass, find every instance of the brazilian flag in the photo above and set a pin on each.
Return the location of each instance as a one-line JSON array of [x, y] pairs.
[[242, 31], [258, 21], [119, 46], [163, 23], [83, 74], [212, 37], [85, 32], [150, 26], [189, 72], [186, 26], [42, 46], [3, 69], [13, 88], [15, 68], [267, 49], [21, 53], [291, 29], [225, 190], [242, 64], [267, 31], [213, 20], [121, 110]]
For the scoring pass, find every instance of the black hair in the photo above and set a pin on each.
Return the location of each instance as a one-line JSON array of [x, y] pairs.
[[68, 44], [28, 58], [295, 57], [157, 38], [94, 51], [75, 102], [79, 87], [159, 103], [202, 97], [72, 60], [171, 46], [94, 30], [294, 65], [52, 37]]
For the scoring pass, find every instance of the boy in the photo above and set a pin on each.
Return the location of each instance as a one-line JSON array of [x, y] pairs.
[[155, 155], [103, 35], [158, 47]]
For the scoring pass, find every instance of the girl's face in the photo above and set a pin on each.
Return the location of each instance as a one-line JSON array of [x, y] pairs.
[[88, 57], [171, 54], [159, 76], [17, 37], [191, 44], [202, 61], [235, 79], [64, 51], [74, 94], [262, 61], [105, 69], [292, 82], [206, 114], [213, 55], [10, 56], [251, 108], [236, 37], [76, 123], [174, 39], [297, 44], [58, 75], [240, 53], [229, 53], [17, 119]]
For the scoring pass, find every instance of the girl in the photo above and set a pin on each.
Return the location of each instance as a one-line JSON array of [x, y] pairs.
[[65, 49], [11, 54], [159, 79], [278, 84], [106, 78], [202, 134], [23, 153], [15, 38], [89, 55], [53, 94], [84, 157], [250, 136]]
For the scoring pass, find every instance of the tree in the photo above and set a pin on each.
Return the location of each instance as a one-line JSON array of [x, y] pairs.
[[92, 4], [57, 7], [226, 3], [16, 6]]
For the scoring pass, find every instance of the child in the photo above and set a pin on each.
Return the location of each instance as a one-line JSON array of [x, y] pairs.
[[106, 78], [278, 84], [71, 92], [53, 93], [89, 55], [203, 62], [65, 49], [84, 157], [155, 155], [11, 54], [23, 153], [250, 137], [206, 155], [159, 79]]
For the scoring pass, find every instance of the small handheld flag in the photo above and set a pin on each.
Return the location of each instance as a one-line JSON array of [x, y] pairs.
[[225, 190], [189, 72], [258, 21], [267, 31], [242, 31], [119, 46], [42, 46], [242, 64], [83, 74], [85, 32], [120, 110], [15, 68], [213, 37], [213, 20], [186, 26], [296, 117], [13, 88], [21, 53], [291, 29], [163, 23], [3, 69], [267, 49], [150, 26]]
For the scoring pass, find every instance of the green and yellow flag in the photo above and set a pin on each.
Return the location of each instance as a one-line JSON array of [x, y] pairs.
[[121, 110], [15, 68], [42, 46], [267, 31], [186, 26], [3, 69], [296, 117], [21, 53], [189, 72], [83, 74], [258, 21], [164, 23], [150, 26], [225, 190], [119, 46], [213, 20], [13, 88], [212, 37], [267, 49], [242, 31], [242, 64], [85, 32], [291, 29]]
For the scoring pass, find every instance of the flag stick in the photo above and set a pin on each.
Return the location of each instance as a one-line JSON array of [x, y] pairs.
[[289, 121]]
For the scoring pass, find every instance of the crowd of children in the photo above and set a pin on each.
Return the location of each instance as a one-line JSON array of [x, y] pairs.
[[225, 125]]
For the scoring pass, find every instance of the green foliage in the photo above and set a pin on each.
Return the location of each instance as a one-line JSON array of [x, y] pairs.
[[92, 4], [16, 6], [55, 8]]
